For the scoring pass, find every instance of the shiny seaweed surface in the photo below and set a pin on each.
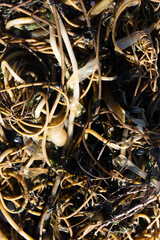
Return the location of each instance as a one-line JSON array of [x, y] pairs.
[[79, 120]]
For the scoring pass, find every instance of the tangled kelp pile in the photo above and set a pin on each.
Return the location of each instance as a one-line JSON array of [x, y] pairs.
[[79, 119]]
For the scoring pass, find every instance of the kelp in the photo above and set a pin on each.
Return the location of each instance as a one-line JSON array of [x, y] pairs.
[[79, 119]]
